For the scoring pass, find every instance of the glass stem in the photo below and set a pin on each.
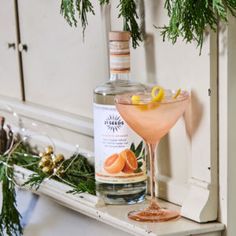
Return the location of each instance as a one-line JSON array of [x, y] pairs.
[[152, 149]]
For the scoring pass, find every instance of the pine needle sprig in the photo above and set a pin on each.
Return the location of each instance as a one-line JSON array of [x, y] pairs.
[[35, 180], [190, 18], [80, 174], [104, 2], [76, 172], [128, 12], [88, 186], [83, 8], [231, 6], [68, 11], [10, 216], [127, 9]]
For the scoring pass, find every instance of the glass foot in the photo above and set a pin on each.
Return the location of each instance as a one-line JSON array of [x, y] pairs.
[[153, 213]]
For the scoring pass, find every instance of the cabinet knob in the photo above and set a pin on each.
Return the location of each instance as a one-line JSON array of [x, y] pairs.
[[22, 47], [12, 45]]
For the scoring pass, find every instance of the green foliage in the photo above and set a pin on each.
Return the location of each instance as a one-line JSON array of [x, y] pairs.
[[84, 186], [76, 172], [35, 180], [140, 154], [127, 10], [9, 217], [103, 2], [83, 8], [80, 174], [130, 16], [190, 18]]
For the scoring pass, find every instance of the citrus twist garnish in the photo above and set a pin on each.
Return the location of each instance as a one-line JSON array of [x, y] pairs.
[[157, 93], [135, 99], [177, 93]]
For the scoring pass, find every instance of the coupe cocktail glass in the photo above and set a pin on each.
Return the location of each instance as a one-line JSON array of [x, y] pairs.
[[152, 120]]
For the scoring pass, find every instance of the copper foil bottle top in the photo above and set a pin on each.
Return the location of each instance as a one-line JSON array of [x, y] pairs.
[[119, 36]]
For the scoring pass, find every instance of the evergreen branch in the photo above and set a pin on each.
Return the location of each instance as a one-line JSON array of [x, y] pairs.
[[68, 11], [190, 18], [104, 2], [83, 7], [85, 186], [80, 174], [130, 16], [10, 216], [34, 181], [76, 171]]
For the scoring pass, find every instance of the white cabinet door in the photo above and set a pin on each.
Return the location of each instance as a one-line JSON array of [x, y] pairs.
[[9, 71], [61, 69]]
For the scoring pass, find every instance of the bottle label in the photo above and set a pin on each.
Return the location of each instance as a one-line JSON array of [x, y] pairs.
[[119, 152]]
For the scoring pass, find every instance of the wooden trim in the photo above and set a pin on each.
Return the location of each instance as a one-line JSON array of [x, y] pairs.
[[116, 215], [19, 53], [75, 123], [201, 203]]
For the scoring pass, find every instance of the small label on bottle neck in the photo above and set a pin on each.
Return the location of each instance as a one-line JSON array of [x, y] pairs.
[[119, 57]]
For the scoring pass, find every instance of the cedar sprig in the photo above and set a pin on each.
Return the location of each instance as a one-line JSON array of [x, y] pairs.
[[80, 174], [74, 10], [190, 18], [88, 186], [104, 2], [35, 180], [10, 216], [83, 8], [127, 10]]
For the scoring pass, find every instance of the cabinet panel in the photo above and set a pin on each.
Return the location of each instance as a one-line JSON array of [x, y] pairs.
[[9, 72], [61, 68]]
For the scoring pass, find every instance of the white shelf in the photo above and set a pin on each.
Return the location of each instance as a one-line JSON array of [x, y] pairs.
[[116, 216]]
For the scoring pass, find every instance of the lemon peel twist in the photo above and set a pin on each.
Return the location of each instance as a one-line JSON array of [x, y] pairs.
[[177, 93], [135, 99], [157, 93]]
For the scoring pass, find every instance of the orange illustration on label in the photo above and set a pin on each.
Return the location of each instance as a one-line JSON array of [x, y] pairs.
[[125, 161]]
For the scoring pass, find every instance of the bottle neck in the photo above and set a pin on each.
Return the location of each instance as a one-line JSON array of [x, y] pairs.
[[121, 76], [119, 60]]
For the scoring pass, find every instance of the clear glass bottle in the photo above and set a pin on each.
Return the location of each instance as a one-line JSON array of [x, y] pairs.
[[119, 153]]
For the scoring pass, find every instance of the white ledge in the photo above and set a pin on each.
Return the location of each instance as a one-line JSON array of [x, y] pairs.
[[116, 216], [72, 122]]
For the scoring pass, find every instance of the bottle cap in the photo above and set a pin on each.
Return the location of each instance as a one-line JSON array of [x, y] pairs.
[[119, 36]]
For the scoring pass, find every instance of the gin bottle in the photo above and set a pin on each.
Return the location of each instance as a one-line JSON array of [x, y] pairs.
[[119, 153]]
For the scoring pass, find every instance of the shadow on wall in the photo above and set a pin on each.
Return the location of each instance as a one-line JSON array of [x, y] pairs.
[[194, 112], [149, 42], [192, 119], [193, 115]]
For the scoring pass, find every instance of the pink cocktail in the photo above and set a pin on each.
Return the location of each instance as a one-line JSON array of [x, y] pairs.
[[152, 120]]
